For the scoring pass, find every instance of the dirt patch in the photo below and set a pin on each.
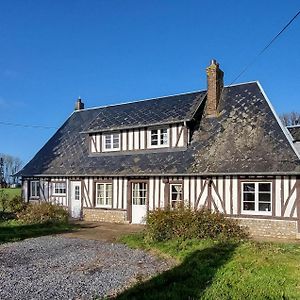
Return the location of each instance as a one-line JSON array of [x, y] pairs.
[[109, 232]]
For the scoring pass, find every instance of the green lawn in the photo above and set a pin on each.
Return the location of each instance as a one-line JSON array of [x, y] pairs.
[[212, 270], [13, 230], [11, 192]]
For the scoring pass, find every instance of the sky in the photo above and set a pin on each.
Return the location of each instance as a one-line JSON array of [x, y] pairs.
[[112, 51]]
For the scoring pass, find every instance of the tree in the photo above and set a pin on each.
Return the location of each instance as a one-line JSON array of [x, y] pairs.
[[11, 165], [291, 118]]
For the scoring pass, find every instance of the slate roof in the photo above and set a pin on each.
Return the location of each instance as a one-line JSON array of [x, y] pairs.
[[295, 132], [245, 138], [164, 110]]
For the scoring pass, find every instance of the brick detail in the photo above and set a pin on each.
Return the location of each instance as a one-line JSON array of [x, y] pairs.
[[214, 88], [104, 215], [282, 229]]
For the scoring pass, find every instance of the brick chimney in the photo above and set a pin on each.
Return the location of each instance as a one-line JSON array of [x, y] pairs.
[[79, 105], [214, 88]]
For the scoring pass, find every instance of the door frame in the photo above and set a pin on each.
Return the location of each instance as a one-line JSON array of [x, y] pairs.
[[70, 196], [129, 197]]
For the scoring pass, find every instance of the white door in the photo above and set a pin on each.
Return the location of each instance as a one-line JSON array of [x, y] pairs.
[[75, 199], [139, 202]]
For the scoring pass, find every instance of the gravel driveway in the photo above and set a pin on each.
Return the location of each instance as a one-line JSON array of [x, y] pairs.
[[55, 267]]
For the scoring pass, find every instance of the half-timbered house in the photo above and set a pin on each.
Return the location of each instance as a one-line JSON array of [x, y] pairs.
[[224, 148]]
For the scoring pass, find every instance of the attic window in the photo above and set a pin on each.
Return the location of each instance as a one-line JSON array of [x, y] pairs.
[[111, 142], [159, 137]]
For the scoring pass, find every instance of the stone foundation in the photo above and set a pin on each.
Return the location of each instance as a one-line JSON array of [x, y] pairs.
[[104, 215], [282, 229]]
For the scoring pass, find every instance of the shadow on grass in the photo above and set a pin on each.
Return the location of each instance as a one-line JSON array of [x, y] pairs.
[[11, 232], [189, 280]]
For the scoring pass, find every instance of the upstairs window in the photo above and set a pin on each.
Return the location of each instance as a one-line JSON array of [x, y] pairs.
[[34, 189], [159, 137], [256, 197], [59, 188], [111, 142]]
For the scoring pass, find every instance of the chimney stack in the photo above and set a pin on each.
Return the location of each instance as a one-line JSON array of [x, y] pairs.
[[79, 105], [214, 88]]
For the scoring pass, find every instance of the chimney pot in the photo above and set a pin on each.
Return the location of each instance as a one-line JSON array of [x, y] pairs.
[[79, 104], [214, 88]]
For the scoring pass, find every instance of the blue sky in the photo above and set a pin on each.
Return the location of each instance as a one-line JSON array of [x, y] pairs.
[[122, 50]]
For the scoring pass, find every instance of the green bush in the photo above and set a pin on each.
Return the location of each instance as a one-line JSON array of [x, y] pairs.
[[186, 223], [42, 213], [16, 204]]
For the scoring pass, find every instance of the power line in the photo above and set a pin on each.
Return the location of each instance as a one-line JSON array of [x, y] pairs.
[[265, 48], [26, 125]]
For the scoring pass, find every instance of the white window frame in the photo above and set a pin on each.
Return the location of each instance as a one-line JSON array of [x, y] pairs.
[[159, 132], [180, 201], [256, 210], [139, 193], [59, 186], [108, 200], [35, 186], [111, 138]]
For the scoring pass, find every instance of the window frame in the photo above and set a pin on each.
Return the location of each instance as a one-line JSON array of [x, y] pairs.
[[111, 138], [145, 189], [36, 189], [170, 193], [59, 183], [159, 133], [105, 184], [256, 193]]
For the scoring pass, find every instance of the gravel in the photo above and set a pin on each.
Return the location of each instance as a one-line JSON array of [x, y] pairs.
[[55, 267]]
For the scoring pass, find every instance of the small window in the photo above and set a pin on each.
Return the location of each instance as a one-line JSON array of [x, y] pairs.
[[139, 193], [34, 189], [159, 137], [77, 192], [59, 188], [176, 195], [111, 142], [256, 197], [103, 194]]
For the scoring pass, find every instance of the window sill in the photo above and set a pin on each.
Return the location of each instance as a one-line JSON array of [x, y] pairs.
[[256, 213]]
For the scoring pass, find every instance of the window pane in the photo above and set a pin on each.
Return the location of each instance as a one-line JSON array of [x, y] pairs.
[[249, 187], [264, 207], [115, 140], [249, 206], [264, 187], [264, 197], [108, 141], [163, 137], [249, 197]]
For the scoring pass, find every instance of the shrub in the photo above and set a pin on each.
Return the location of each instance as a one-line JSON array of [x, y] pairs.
[[3, 201], [16, 204], [43, 212], [186, 223]]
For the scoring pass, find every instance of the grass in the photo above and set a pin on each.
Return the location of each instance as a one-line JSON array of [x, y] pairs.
[[11, 192], [13, 230], [209, 269]]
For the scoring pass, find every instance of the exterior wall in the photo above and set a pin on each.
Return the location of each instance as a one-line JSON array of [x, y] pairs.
[[139, 139], [297, 146], [222, 193]]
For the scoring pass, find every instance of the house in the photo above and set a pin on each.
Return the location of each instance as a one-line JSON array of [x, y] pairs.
[[295, 133], [224, 148]]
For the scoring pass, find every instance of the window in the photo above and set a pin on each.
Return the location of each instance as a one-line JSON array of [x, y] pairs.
[[256, 197], [139, 193], [103, 194], [111, 142], [59, 188], [176, 195], [77, 192], [34, 189], [159, 137]]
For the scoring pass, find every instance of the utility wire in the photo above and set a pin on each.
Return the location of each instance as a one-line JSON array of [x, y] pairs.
[[25, 125], [265, 48]]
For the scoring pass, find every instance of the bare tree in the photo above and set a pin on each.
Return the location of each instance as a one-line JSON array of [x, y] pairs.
[[291, 118], [11, 165]]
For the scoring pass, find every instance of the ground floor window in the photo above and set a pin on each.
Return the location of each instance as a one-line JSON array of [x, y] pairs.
[[139, 193], [59, 188], [256, 197], [34, 189], [103, 194], [176, 195]]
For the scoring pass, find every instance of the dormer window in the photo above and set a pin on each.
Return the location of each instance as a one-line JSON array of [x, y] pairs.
[[159, 137], [111, 142]]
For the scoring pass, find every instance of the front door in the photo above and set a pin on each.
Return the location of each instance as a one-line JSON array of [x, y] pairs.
[[139, 196], [75, 199]]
